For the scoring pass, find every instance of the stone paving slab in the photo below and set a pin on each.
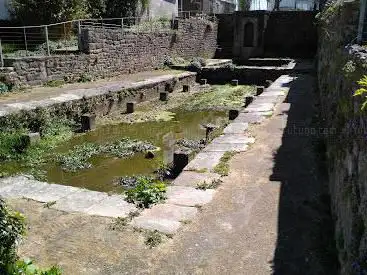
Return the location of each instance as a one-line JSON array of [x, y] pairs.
[[193, 179], [226, 147], [260, 107], [79, 201], [188, 196], [204, 161], [165, 218], [266, 99], [52, 192], [113, 206], [161, 225], [22, 188], [250, 118], [233, 139], [236, 128]]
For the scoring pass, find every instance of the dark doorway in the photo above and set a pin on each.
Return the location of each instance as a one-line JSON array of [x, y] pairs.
[[248, 36]]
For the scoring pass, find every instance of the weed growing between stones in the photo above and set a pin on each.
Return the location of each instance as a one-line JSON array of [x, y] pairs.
[[54, 83], [153, 238], [77, 158], [147, 192], [119, 224], [223, 166], [212, 185]]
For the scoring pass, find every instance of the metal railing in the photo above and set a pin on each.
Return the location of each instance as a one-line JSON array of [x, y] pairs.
[[63, 38]]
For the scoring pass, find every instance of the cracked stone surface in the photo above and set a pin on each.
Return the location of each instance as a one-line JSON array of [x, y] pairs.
[[234, 139], [250, 118], [189, 196], [236, 128], [66, 198], [205, 161], [260, 107], [193, 179], [165, 218]]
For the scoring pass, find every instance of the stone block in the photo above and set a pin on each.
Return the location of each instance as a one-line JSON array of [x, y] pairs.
[[88, 122], [233, 114], [180, 161], [188, 196], [203, 81], [236, 128], [193, 179], [130, 107], [234, 82], [163, 96], [204, 161], [259, 90], [248, 100], [186, 88]]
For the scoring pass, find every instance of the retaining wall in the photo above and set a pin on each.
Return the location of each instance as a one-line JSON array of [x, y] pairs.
[[99, 101], [339, 69], [108, 52]]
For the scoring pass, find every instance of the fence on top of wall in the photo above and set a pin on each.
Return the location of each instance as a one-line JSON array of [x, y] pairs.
[[63, 38]]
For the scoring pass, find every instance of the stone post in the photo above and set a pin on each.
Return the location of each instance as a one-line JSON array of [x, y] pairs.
[[233, 114], [88, 122], [234, 82], [163, 96], [186, 88], [248, 100], [130, 107], [203, 81], [259, 90], [180, 161]]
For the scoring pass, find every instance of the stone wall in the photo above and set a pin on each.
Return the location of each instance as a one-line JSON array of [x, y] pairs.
[[339, 69], [276, 34], [291, 34], [107, 52]]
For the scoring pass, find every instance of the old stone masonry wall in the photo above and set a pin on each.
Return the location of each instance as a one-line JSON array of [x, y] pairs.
[[108, 52], [339, 69]]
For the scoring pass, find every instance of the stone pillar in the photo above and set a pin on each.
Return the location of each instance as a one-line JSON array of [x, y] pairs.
[[88, 122], [203, 81], [168, 88], [130, 107], [233, 114], [186, 88], [163, 96], [268, 83], [180, 161], [234, 82], [259, 90], [29, 139], [248, 100]]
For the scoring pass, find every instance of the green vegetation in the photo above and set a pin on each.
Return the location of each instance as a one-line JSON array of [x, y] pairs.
[[147, 192], [54, 83], [212, 185], [77, 158], [119, 224], [12, 228], [219, 97], [362, 91], [223, 166], [14, 145], [153, 238]]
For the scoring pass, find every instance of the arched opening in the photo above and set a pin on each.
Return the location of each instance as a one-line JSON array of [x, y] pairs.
[[248, 35]]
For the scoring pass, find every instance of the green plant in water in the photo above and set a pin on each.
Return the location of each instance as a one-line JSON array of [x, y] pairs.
[[147, 192], [77, 158], [362, 91]]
